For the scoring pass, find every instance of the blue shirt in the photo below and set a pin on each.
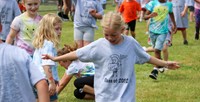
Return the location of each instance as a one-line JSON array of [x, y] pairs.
[[82, 16], [48, 48], [159, 24]]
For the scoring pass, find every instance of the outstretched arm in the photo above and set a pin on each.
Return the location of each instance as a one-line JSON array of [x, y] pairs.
[[65, 57], [168, 64]]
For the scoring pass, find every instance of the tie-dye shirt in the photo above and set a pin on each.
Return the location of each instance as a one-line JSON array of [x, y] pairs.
[[81, 69], [25, 27], [159, 24]]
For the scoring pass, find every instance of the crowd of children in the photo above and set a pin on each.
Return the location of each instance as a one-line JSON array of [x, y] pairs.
[[40, 37]]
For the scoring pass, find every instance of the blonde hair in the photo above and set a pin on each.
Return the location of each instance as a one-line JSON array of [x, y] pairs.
[[112, 20], [67, 49], [46, 31]]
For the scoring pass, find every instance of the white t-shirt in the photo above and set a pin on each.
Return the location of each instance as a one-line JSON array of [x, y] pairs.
[[114, 79], [81, 69]]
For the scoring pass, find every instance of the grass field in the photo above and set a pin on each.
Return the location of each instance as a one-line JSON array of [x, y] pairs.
[[182, 85]]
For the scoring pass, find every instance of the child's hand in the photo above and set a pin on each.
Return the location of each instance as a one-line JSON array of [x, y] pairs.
[[93, 12], [46, 56], [153, 14], [52, 88], [172, 65], [174, 29]]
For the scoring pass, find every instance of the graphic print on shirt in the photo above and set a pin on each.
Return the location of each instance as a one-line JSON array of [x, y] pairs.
[[162, 12], [115, 67]]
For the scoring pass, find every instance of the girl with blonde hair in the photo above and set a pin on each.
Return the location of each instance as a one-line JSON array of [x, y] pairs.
[[114, 57], [46, 41]]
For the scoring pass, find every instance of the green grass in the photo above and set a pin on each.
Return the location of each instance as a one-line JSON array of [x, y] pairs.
[[182, 85]]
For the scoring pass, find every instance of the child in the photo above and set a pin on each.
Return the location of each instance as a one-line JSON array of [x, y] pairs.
[[46, 40], [114, 57], [8, 11], [180, 8], [197, 18], [24, 25], [21, 6], [84, 72], [86, 13], [158, 11], [167, 43], [130, 9], [18, 75]]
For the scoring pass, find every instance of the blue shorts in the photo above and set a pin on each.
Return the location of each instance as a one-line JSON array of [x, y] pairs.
[[157, 40], [84, 33], [52, 98]]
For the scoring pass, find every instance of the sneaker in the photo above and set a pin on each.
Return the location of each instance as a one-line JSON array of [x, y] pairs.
[[196, 36], [185, 42], [65, 17], [161, 70], [60, 14], [80, 90], [154, 74]]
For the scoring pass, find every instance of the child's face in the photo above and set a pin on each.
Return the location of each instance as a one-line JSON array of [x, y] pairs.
[[113, 36], [58, 28], [65, 64], [32, 6]]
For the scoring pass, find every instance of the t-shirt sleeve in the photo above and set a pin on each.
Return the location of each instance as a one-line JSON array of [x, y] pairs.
[[170, 7], [149, 6], [141, 55], [48, 49], [16, 23], [87, 53]]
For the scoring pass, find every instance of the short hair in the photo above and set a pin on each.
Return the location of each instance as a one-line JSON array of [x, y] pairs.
[[67, 49]]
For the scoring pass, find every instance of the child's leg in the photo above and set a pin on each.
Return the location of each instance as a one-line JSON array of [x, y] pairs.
[[197, 23], [59, 5], [88, 35], [157, 42], [165, 52], [78, 37], [133, 34], [132, 25], [184, 34], [147, 26], [66, 8]]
